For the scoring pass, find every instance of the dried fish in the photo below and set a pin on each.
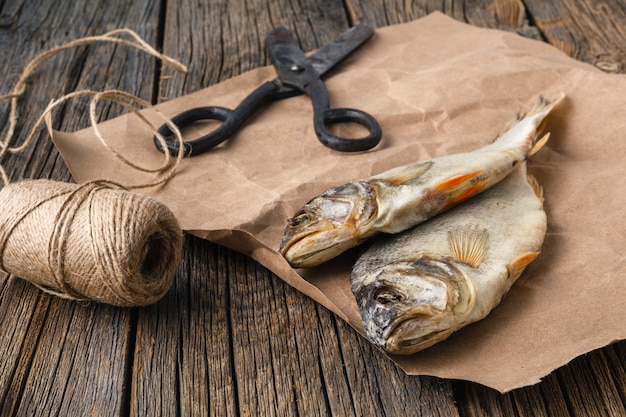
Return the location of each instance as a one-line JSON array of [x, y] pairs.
[[416, 288], [344, 216]]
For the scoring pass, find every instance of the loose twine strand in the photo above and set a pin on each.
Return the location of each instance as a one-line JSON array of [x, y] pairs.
[[119, 97], [93, 241]]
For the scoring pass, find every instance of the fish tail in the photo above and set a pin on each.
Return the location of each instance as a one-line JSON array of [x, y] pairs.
[[539, 111], [542, 106], [537, 117]]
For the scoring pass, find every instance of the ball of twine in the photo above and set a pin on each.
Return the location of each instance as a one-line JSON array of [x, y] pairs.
[[93, 241]]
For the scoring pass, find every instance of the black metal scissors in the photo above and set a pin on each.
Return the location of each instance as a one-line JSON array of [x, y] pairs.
[[297, 74]]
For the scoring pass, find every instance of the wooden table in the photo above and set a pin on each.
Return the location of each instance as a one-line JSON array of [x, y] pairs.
[[231, 338]]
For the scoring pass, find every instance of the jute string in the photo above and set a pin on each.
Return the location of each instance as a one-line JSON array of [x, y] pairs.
[[95, 241]]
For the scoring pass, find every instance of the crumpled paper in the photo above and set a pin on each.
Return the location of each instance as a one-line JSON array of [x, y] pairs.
[[437, 86]]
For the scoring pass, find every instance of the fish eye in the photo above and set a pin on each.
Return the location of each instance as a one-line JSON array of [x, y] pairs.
[[299, 219], [388, 295]]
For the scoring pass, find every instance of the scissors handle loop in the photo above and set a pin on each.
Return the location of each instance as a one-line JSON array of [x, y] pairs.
[[232, 120], [343, 115], [324, 115], [189, 117]]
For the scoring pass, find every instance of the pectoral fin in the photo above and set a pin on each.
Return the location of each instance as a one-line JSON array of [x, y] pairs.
[[517, 266], [468, 245]]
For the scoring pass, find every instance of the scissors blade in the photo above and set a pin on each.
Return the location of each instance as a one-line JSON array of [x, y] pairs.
[[289, 59], [336, 50]]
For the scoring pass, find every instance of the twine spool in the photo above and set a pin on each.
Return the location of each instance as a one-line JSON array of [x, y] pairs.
[[93, 241]]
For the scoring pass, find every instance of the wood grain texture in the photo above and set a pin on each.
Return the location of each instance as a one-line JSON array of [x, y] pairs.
[[498, 14], [231, 338], [226, 38], [591, 31], [67, 358]]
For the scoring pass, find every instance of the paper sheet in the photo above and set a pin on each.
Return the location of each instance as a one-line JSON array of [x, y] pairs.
[[437, 86]]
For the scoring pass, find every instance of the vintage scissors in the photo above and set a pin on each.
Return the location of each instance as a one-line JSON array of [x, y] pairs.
[[297, 74]]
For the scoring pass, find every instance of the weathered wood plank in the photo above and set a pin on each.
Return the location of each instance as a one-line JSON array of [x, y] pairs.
[[67, 358], [591, 31], [589, 387], [498, 14], [386, 388], [277, 373], [78, 362], [544, 399], [183, 361], [227, 38], [20, 323]]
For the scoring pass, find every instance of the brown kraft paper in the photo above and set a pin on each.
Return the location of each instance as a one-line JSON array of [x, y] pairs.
[[437, 86]]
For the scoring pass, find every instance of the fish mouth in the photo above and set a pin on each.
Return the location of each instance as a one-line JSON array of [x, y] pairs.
[[311, 248], [329, 224], [411, 346], [415, 330]]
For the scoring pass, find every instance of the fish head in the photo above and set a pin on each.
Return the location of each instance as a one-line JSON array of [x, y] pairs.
[[329, 224], [409, 306]]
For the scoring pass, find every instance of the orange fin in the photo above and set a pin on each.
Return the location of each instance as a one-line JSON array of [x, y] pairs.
[[460, 188], [517, 266], [457, 182]]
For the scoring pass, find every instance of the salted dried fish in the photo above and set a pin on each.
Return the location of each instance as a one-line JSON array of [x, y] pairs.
[[344, 216], [416, 288]]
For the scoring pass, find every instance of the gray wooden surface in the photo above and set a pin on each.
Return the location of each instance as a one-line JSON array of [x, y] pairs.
[[230, 338]]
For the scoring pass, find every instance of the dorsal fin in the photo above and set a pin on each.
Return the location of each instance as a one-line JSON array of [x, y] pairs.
[[468, 245]]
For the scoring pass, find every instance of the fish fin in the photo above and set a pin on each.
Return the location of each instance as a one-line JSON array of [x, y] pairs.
[[542, 105], [460, 188], [538, 189], [539, 144], [468, 245], [458, 181], [517, 266], [406, 174], [540, 110]]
